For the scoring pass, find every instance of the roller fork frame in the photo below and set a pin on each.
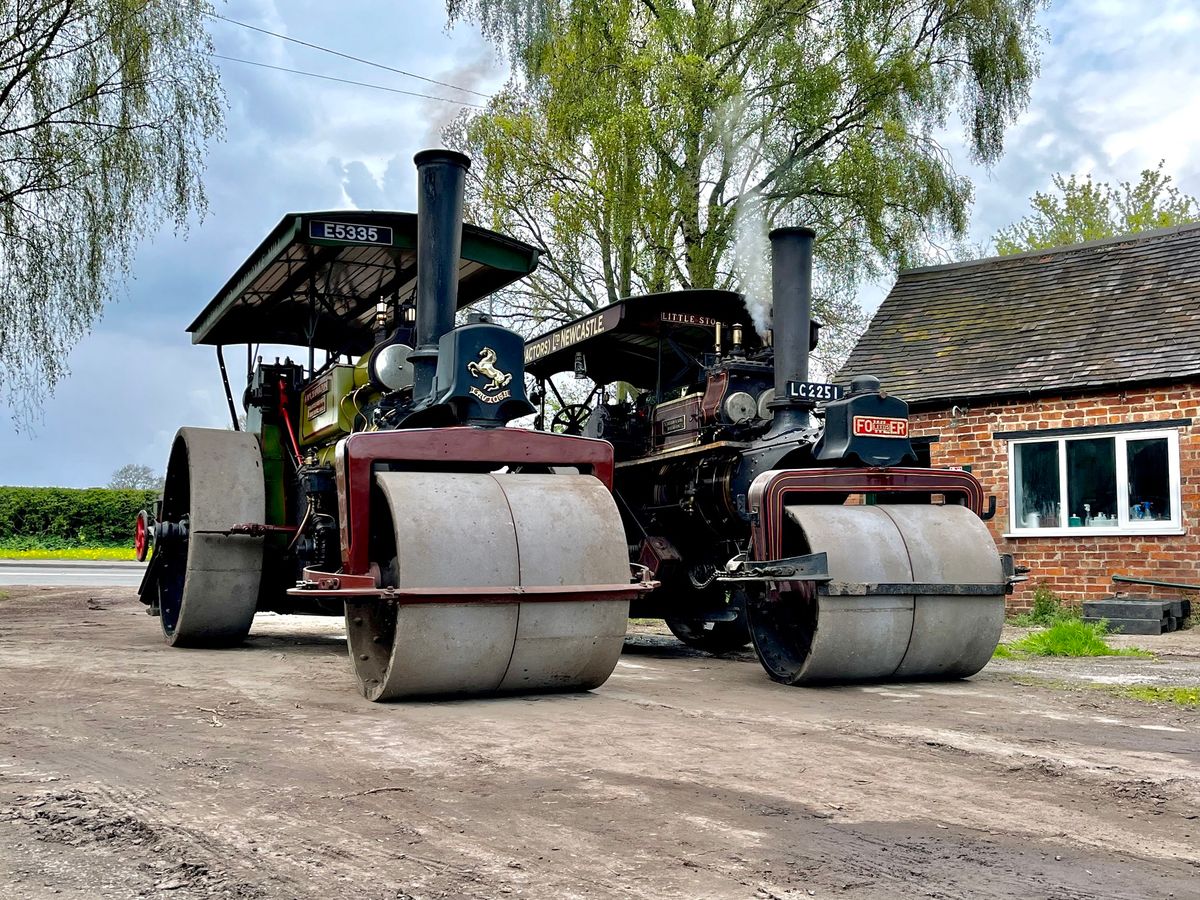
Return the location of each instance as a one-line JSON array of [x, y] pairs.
[[358, 454], [770, 491], [357, 457]]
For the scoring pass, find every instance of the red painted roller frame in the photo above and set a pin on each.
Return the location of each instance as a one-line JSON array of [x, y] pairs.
[[770, 491], [357, 455], [354, 467]]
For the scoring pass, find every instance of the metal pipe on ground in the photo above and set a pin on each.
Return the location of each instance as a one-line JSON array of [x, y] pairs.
[[441, 179], [1183, 586]]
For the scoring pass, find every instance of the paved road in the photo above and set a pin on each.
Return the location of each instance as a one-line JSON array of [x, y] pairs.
[[70, 573]]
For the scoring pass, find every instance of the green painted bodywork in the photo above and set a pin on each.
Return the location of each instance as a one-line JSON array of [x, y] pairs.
[[333, 388], [271, 439]]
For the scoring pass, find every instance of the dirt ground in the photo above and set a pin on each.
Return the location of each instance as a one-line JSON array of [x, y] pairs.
[[131, 770]]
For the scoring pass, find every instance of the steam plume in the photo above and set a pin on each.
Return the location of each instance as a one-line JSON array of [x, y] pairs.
[[751, 260]]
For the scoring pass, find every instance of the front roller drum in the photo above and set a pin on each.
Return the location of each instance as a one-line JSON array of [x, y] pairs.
[[454, 530], [872, 636]]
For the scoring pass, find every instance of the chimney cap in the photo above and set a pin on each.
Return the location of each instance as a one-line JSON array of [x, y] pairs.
[[864, 384], [797, 230], [441, 154]]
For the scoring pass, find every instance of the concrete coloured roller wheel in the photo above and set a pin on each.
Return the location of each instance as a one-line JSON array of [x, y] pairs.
[[861, 638], [442, 529], [208, 583]]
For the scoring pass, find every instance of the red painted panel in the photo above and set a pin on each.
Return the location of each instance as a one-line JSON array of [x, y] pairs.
[[770, 491], [357, 454], [880, 426]]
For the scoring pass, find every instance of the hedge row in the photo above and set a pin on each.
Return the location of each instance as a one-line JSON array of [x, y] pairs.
[[71, 517]]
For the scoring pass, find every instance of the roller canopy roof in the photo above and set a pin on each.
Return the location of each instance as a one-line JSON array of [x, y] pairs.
[[321, 274], [620, 342]]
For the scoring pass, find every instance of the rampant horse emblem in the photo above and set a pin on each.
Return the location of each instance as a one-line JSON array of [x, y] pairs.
[[486, 368]]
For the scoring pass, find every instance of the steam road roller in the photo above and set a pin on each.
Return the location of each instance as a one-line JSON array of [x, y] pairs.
[[798, 515], [376, 478]]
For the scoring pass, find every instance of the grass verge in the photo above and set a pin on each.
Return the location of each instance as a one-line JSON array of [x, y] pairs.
[[1185, 696], [103, 553], [1180, 696], [1067, 637]]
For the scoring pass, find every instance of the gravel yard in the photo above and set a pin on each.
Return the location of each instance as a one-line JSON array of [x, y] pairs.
[[131, 770]]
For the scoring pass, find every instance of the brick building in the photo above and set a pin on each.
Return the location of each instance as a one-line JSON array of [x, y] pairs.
[[1068, 382]]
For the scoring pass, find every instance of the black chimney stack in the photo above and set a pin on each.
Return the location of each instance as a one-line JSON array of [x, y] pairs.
[[441, 179], [791, 307]]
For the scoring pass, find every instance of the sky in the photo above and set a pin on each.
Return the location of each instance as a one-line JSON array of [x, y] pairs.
[[1119, 90]]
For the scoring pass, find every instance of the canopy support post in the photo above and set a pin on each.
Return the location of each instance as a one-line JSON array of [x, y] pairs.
[[233, 417]]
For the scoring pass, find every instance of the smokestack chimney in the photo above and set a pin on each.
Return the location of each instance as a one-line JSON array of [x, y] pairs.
[[791, 307], [441, 179]]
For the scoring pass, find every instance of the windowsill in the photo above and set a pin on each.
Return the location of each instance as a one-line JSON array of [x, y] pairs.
[[1165, 530]]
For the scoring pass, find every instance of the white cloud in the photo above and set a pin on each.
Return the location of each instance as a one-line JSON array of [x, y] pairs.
[[127, 398], [1119, 91]]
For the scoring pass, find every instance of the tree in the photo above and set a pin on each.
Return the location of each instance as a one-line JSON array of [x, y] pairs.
[[132, 476], [647, 145], [106, 107], [1088, 210]]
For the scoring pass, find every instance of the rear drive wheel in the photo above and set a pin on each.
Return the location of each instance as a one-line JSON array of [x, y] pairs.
[[710, 623], [208, 583]]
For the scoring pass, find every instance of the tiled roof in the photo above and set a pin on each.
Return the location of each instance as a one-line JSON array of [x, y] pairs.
[[1103, 313]]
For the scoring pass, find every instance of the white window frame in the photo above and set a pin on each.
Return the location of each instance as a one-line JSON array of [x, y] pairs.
[[1125, 526]]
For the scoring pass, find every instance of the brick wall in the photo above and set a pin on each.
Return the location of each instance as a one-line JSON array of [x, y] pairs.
[[1077, 567]]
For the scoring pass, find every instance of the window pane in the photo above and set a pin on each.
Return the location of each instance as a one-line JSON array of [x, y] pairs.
[[1092, 482], [1149, 481], [1037, 485]]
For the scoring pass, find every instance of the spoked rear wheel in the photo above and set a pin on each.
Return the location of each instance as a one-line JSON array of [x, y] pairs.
[[207, 582], [722, 630]]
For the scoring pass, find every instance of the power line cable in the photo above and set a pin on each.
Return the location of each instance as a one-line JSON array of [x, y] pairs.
[[357, 59], [378, 87]]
